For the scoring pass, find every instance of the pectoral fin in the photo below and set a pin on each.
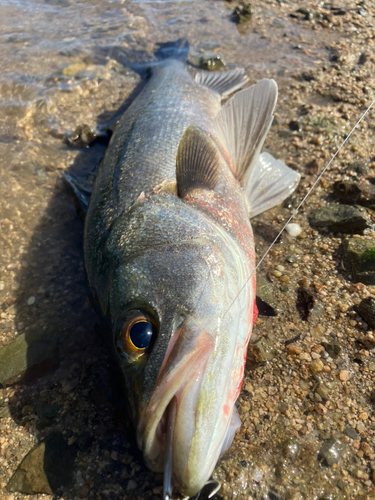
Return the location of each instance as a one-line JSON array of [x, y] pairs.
[[242, 125], [197, 162], [81, 191]]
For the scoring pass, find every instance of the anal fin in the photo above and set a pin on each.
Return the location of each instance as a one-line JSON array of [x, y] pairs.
[[270, 183], [81, 191]]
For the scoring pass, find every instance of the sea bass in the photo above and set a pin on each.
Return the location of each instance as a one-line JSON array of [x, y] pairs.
[[170, 259]]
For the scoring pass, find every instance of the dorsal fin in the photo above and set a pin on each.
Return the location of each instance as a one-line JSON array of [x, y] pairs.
[[224, 83], [197, 161], [242, 125]]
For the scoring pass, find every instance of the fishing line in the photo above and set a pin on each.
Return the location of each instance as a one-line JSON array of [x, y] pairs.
[[299, 206]]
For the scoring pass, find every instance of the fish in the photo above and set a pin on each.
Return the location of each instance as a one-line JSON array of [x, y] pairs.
[[170, 259]]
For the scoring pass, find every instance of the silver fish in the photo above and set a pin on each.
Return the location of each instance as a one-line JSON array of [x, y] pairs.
[[170, 258]]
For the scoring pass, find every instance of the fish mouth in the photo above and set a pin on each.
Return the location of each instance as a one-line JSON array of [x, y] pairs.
[[167, 427]]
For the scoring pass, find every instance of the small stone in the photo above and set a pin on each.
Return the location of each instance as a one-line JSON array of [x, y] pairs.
[[359, 259], [242, 13], [294, 349], [73, 69], [360, 474], [323, 391], [285, 134], [114, 455], [295, 126], [84, 491], [210, 62], [340, 218], [30, 301], [331, 452], [350, 432], [284, 278], [321, 409], [366, 448], [268, 232], [358, 167], [265, 300], [261, 351], [344, 375], [367, 310], [293, 229], [360, 427], [360, 193], [313, 167], [332, 348], [316, 366], [305, 356], [47, 411], [132, 485], [82, 137], [27, 410], [308, 306]]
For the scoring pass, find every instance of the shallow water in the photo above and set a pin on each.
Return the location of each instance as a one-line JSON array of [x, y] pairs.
[[64, 63]]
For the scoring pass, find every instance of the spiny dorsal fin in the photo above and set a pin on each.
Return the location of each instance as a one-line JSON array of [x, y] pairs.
[[243, 122], [197, 162]]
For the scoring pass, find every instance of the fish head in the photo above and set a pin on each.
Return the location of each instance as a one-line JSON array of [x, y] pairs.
[[182, 319]]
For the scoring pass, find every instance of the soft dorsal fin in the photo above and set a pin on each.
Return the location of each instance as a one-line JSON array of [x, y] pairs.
[[197, 161], [242, 125], [224, 83]]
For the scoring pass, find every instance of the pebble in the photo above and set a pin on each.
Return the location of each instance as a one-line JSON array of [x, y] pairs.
[[340, 218], [316, 366], [293, 229], [344, 375], [294, 349], [321, 409], [132, 485], [323, 391], [359, 259], [31, 301]]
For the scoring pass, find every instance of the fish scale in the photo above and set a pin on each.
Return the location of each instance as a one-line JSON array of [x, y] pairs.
[[154, 125]]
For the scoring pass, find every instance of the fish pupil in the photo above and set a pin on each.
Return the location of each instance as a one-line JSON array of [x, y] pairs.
[[141, 334]]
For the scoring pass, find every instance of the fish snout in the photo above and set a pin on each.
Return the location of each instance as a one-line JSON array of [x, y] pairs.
[[185, 423]]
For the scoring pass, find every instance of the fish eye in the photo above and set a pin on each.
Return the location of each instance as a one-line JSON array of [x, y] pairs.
[[137, 334]]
